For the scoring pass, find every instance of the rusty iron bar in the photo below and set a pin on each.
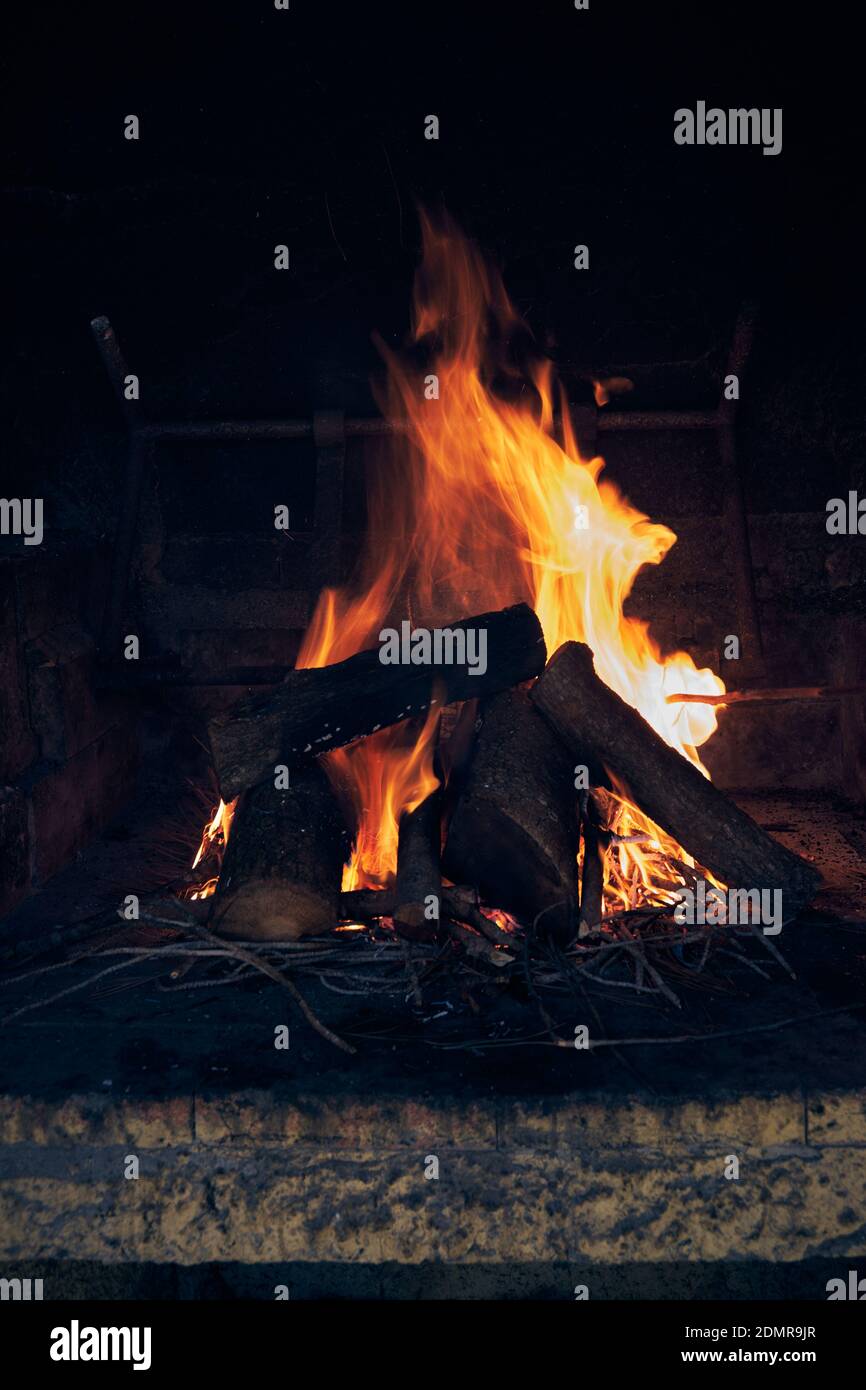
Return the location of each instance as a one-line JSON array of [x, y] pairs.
[[621, 421], [123, 675], [179, 431], [116, 368], [771, 694]]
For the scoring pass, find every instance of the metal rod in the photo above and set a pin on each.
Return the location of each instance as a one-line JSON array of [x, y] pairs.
[[615, 422], [621, 421], [115, 367], [180, 431], [133, 676], [779, 693], [144, 434]]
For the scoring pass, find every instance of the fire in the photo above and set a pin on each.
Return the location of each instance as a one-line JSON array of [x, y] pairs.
[[379, 787], [481, 505], [642, 863], [214, 839]]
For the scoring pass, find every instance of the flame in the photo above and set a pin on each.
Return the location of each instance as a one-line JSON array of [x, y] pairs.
[[379, 781], [214, 839], [643, 864], [480, 505]]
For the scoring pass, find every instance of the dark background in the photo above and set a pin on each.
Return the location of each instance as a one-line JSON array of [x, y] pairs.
[[307, 127]]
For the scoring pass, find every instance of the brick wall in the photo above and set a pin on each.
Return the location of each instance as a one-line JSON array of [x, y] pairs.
[[67, 751]]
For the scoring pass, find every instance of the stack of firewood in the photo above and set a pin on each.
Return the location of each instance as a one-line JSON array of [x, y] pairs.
[[507, 826]]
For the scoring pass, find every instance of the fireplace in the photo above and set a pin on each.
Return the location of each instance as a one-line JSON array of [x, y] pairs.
[[433, 783], [528, 774]]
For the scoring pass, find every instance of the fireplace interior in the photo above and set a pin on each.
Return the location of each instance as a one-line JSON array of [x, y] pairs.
[[118, 950], [294, 923]]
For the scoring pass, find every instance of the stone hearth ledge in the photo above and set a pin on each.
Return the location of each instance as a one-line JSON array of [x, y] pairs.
[[258, 1175]]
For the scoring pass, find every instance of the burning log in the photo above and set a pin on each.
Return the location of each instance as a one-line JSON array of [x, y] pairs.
[[419, 875], [283, 865], [513, 830], [666, 786], [458, 903], [592, 876], [318, 709]]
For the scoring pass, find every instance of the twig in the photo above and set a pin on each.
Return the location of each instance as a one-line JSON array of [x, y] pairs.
[[242, 954], [412, 973], [479, 946], [772, 948]]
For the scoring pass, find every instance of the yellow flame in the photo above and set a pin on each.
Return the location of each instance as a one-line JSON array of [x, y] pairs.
[[214, 839], [479, 506]]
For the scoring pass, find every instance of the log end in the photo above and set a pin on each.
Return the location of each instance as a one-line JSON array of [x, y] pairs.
[[414, 914], [271, 911]]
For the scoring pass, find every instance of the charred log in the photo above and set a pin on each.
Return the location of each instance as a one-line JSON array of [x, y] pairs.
[[592, 874], [418, 884], [459, 903], [316, 710], [283, 865], [513, 830], [667, 787]]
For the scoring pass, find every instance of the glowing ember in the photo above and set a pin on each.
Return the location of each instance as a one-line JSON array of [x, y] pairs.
[[499, 918]]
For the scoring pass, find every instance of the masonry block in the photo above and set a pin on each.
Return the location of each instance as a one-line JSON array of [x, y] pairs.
[[14, 848], [17, 743], [64, 585], [67, 712], [71, 803]]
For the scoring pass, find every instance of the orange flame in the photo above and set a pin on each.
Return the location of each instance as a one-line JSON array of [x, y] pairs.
[[479, 505], [214, 839], [379, 781]]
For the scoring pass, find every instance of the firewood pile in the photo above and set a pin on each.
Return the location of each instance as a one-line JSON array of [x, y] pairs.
[[510, 826], [446, 992], [500, 884]]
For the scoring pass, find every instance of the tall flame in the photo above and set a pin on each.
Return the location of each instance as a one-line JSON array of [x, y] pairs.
[[477, 506]]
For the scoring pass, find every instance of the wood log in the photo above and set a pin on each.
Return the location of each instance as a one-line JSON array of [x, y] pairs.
[[316, 710], [666, 786], [513, 830], [419, 872], [458, 903], [283, 865], [479, 946], [369, 904], [592, 875]]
